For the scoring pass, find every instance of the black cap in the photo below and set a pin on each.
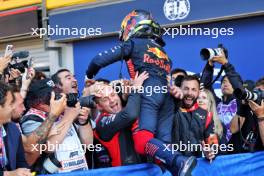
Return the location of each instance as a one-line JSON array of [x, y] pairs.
[[41, 87]]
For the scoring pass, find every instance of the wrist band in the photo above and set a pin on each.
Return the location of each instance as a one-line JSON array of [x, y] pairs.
[[83, 124]]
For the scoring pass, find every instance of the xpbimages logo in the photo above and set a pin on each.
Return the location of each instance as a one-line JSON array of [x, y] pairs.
[[63, 31], [197, 31], [182, 147], [41, 148]]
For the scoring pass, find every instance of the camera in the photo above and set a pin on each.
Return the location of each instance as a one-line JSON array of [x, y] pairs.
[[88, 101], [72, 99], [256, 95], [19, 65], [209, 53], [17, 62], [178, 80]]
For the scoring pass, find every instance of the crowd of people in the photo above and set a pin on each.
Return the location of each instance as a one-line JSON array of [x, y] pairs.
[[47, 127]]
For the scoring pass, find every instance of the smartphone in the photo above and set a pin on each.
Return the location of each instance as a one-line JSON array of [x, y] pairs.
[[30, 63], [9, 50], [29, 66]]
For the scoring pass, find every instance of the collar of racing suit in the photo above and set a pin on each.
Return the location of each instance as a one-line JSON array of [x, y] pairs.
[[103, 114]]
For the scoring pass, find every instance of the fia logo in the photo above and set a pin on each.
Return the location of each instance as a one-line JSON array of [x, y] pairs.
[[176, 9]]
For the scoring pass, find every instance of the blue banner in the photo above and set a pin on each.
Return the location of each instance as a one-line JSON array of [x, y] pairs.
[[133, 170], [248, 164], [245, 48], [107, 19]]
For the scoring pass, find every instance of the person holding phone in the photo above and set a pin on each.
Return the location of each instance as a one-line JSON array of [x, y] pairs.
[[6, 59]]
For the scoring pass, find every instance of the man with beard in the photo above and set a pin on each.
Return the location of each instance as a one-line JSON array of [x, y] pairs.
[[12, 158], [19, 106], [192, 125]]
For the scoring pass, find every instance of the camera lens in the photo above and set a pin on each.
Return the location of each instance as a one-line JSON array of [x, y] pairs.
[[205, 54], [72, 99]]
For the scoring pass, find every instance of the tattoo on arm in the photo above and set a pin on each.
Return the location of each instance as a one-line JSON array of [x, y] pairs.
[[43, 130]]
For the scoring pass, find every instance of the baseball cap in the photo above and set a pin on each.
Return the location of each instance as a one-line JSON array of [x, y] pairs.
[[41, 87]]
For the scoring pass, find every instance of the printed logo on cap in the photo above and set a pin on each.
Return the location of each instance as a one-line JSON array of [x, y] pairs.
[[176, 9], [50, 83]]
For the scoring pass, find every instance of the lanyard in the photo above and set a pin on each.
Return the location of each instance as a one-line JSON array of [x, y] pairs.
[[2, 150]]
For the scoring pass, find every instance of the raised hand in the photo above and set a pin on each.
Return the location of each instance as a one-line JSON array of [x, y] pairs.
[[57, 106]]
